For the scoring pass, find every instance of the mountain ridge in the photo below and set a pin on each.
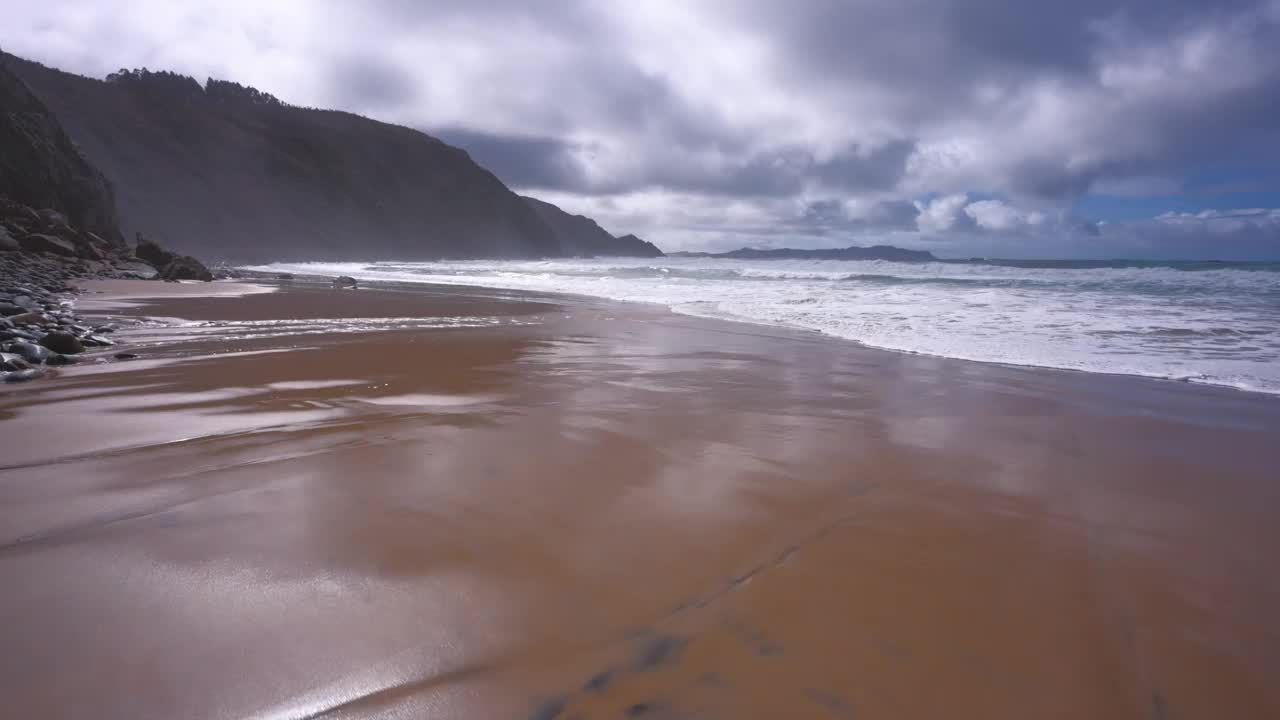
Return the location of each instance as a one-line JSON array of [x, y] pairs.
[[581, 236], [228, 172]]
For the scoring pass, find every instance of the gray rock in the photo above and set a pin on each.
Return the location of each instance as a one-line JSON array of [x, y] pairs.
[[30, 352], [52, 218], [152, 253], [345, 281], [48, 244], [23, 375], [25, 301], [125, 356], [12, 361], [7, 309], [62, 360], [29, 318], [8, 243], [136, 269], [96, 341], [186, 268], [63, 343]]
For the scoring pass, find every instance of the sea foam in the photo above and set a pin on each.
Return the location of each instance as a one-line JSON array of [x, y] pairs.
[[1214, 323]]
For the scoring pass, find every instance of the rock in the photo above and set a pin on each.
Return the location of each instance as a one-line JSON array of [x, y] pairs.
[[23, 375], [186, 268], [104, 329], [136, 269], [284, 276], [96, 341], [7, 309], [153, 253], [47, 243], [52, 218], [125, 356], [12, 361], [8, 243], [63, 343], [62, 360], [30, 352], [344, 281], [28, 318], [25, 301], [89, 252]]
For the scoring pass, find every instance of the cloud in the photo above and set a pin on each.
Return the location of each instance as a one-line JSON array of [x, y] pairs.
[[832, 120]]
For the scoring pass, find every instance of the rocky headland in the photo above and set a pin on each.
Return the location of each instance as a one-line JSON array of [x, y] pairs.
[[57, 228]]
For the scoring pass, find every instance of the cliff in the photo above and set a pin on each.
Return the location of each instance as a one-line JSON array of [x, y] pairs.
[[578, 235], [42, 168], [231, 173]]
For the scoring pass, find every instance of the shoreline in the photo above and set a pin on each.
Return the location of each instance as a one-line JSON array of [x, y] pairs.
[[578, 297], [436, 502]]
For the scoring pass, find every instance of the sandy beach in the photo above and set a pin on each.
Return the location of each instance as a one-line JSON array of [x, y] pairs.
[[398, 503]]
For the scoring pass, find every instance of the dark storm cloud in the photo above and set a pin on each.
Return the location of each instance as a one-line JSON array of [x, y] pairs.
[[528, 162], [840, 116], [369, 84]]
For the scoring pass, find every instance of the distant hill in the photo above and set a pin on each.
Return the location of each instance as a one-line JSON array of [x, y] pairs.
[[875, 252], [225, 171], [579, 235], [41, 167]]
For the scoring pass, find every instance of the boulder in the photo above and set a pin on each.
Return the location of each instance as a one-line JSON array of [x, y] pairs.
[[10, 362], [52, 218], [345, 281], [63, 343], [30, 352], [186, 268], [136, 269], [8, 243], [47, 243], [153, 253], [29, 318]]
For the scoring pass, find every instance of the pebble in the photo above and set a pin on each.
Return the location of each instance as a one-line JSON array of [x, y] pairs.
[[38, 322]]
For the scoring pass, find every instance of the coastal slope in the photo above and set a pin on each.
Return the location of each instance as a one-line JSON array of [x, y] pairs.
[[42, 168], [580, 235], [228, 172]]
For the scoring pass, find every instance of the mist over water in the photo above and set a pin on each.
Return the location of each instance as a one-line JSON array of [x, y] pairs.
[[1214, 323]]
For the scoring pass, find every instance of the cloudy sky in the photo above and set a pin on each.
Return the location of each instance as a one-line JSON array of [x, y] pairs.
[[967, 127]]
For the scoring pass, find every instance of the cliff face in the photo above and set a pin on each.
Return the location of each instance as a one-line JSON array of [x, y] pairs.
[[580, 235], [227, 172], [42, 168]]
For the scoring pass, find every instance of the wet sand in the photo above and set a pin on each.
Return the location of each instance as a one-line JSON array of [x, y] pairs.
[[460, 503]]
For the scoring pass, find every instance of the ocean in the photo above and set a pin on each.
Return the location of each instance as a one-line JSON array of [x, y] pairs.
[[1201, 322]]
